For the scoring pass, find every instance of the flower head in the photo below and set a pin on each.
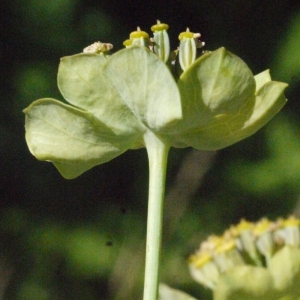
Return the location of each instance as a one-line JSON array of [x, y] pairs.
[[116, 99], [251, 261]]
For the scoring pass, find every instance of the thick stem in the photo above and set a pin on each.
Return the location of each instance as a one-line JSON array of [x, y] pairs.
[[158, 156]]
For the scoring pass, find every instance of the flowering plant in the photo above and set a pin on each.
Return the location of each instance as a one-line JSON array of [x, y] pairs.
[[147, 96]]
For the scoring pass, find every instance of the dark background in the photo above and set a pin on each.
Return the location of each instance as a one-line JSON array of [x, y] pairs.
[[84, 238]]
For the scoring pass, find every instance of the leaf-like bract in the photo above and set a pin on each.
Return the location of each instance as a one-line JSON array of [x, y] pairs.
[[82, 83], [73, 140], [146, 85]]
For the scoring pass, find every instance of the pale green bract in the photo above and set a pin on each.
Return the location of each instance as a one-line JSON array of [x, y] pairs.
[[117, 99]]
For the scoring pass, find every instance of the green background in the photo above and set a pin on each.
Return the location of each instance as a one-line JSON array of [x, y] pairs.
[[84, 238]]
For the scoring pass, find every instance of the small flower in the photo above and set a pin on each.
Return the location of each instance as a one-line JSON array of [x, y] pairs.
[[263, 234], [189, 42], [138, 38], [288, 231], [251, 261], [161, 42], [242, 233], [115, 100]]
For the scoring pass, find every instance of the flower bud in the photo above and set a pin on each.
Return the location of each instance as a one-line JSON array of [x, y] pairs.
[[289, 231], [204, 270], [161, 41], [244, 239], [139, 38], [263, 233], [189, 43], [187, 49]]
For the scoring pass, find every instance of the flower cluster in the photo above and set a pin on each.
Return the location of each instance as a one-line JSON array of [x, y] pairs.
[[186, 98], [178, 60], [249, 245]]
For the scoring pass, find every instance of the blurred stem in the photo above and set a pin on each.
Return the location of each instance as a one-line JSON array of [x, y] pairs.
[[158, 156]]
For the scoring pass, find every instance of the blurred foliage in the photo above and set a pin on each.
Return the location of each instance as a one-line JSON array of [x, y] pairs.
[[84, 239], [287, 57]]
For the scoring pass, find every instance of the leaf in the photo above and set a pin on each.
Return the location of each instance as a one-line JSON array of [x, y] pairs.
[[167, 293], [82, 83], [146, 85], [74, 140]]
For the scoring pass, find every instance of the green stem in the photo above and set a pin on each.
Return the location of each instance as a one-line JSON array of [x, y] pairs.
[[158, 156]]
